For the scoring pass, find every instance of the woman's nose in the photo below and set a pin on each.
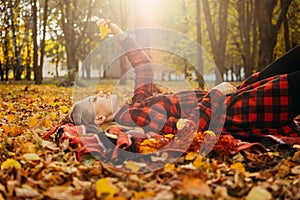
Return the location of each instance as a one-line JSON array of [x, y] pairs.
[[100, 94]]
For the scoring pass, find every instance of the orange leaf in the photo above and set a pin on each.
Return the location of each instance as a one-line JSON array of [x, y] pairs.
[[195, 187]]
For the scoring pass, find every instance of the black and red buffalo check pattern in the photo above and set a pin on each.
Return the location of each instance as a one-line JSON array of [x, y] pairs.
[[258, 108]]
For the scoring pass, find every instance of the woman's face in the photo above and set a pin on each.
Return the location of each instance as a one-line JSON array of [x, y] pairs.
[[105, 105]]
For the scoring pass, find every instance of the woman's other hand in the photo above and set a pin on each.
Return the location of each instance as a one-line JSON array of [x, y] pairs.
[[226, 88]]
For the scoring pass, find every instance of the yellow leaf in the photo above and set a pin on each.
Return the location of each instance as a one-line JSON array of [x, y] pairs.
[[104, 31], [33, 121], [133, 166], [143, 194], [31, 156], [10, 163], [169, 167], [198, 162], [11, 118], [238, 166], [191, 155], [53, 115], [103, 187], [149, 146], [15, 130], [29, 147], [64, 109], [5, 129], [180, 123], [209, 132], [47, 122]]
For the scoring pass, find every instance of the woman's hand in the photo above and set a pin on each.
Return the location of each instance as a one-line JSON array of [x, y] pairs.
[[114, 29], [226, 88]]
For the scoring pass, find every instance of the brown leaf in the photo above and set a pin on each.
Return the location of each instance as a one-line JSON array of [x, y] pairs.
[[27, 192], [195, 187], [62, 193]]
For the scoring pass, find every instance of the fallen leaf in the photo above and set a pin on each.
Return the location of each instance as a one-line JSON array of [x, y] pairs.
[[169, 167], [191, 156], [161, 158], [27, 192], [143, 194], [134, 166], [209, 132], [62, 193], [104, 189], [10, 163], [31, 157], [181, 123], [238, 166], [195, 187], [258, 193], [198, 161]]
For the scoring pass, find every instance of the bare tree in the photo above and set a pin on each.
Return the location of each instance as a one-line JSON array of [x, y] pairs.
[[199, 72], [34, 38], [74, 31], [218, 40], [268, 31], [17, 48], [248, 34], [39, 72]]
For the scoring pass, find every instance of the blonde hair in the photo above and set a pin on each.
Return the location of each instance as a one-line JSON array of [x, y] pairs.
[[82, 113]]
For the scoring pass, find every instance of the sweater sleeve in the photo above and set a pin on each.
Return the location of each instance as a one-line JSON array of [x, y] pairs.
[[210, 112], [141, 63]]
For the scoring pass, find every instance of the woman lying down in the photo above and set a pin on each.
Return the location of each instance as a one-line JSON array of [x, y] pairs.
[[263, 108]]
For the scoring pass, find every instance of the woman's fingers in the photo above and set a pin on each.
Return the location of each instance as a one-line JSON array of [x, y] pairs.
[[226, 88]]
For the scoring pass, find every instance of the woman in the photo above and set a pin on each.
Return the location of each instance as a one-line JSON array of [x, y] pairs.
[[265, 104]]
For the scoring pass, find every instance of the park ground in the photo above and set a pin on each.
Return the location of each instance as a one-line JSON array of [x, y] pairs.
[[32, 168]]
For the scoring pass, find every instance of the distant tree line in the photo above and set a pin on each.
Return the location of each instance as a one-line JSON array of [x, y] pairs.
[[248, 34]]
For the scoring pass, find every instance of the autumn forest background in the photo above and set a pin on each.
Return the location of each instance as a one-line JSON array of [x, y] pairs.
[[236, 33], [240, 36]]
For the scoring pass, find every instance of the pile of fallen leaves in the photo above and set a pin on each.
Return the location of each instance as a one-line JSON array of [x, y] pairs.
[[32, 168]]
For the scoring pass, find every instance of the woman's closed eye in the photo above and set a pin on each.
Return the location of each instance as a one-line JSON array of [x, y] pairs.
[[93, 98]]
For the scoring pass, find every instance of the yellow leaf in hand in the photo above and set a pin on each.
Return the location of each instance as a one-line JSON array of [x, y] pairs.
[[103, 187], [10, 163], [104, 31]]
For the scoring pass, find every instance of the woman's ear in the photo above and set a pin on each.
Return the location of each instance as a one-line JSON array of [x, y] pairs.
[[100, 119]]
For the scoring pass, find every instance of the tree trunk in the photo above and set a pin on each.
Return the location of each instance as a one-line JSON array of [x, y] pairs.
[[199, 40], [18, 68], [247, 26], [268, 31], [218, 43], [5, 52], [28, 69], [286, 28], [69, 35], [34, 38], [39, 77], [1, 72]]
